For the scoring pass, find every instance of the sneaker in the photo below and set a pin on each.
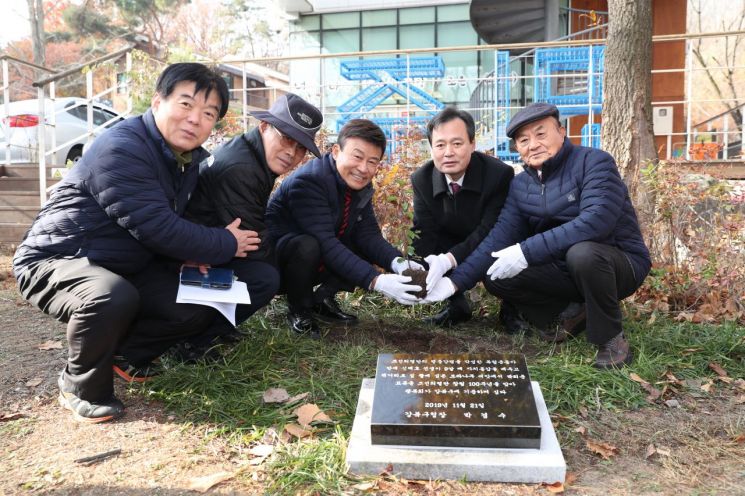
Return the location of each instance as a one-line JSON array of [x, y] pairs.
[[568, 324], [328, 310], [512, 320], [131, 373], [614, 354], [88, 412]]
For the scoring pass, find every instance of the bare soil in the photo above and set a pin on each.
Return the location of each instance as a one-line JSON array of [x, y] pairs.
[[699, 445]]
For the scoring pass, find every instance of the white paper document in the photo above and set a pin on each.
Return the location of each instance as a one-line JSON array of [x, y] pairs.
[[223, 300]]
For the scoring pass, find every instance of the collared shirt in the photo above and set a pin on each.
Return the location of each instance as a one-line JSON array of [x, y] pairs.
[[459, 182]]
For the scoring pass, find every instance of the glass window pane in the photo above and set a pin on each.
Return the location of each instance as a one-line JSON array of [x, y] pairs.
[[416, 36], [379, 18], [341, 20], [342, 40], [456, 34], [309, 22], [416, 15], [453, 13], [379, 39]]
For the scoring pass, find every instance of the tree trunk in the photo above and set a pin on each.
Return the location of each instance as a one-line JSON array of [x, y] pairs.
[[36, 18], [627, 111]]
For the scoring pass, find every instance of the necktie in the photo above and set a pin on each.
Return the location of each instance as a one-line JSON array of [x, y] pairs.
[[345, 215], [456, 187]]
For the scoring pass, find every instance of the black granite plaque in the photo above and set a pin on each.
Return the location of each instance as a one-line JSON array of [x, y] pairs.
[[456, 400]]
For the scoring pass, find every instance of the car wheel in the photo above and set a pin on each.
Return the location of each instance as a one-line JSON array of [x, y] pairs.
[[74, 155]]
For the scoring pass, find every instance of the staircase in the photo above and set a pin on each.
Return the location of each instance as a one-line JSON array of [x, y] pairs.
[[19, 202]]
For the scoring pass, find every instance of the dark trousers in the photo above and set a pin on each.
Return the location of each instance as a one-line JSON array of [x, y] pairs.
[[300, 267], [598, 274], [102, 310], [262, 281]]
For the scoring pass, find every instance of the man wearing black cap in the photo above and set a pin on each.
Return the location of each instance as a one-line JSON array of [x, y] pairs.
[[326, 233], [567, 244], [237, 184], [457, 198]]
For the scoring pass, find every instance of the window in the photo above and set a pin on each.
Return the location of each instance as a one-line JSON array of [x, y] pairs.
[[417, 15], [453, 13], [416, 36], [379, 18], [379, 39], [341, 20], [309, 23], [341, 40]]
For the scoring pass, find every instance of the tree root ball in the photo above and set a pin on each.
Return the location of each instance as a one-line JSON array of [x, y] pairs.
[[419, 278]]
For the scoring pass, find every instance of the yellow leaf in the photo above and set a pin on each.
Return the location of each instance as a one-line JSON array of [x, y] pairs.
[[308, 413], [297, 431]]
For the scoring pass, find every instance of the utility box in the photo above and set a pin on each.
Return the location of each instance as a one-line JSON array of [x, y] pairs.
[[662, 120]]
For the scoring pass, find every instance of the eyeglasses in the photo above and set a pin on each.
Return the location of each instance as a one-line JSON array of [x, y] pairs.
[[288, 142]]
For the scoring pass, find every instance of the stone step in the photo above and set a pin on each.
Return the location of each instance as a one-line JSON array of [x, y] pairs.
[[18, 215], [24, 170], [20, 199], [12, 232], [22, 183]]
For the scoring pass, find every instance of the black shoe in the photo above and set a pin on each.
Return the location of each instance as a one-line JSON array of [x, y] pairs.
[[568, 324], [87, 412], [448, 317], [512, 320], [190, 353], [328, 310], [132, 373], [303, 324], [614, 354]]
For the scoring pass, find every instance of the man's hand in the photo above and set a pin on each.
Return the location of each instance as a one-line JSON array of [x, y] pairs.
[[247, 240], [510, 262], [394, 286], [400, 264], [439, 265], [202, 267], [442, 290]]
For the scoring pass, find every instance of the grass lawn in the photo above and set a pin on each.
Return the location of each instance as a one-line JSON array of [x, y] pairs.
[[227, 395]]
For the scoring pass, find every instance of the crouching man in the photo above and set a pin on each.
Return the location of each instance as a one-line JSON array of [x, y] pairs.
[[567, 243], [325, 231], [100, 255]]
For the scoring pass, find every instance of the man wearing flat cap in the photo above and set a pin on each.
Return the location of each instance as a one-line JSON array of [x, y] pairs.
[[237, 184], [567, 243]]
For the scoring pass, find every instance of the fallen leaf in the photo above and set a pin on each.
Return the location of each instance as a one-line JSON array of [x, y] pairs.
[[275, 395], [297, 431], [605, 450], [570, 479], [203, 484], [34, 382], [297, 398], [650, 451], [662, 451], [688, 351], [387, 470], [673, 403], [7, 417], [50, 345], [707, 387], [270, 436], [718, 369], [556, 487], [257, 461], [365, 486], [740, 438], [740, 399], [261, 450], [672, 378], [740, 383], [654, 393], [634, 377], [584, 413], [581, 429], [308, 413]]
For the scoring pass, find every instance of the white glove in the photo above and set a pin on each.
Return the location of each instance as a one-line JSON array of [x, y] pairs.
[[510, 262], [442, 290], [439, 265], [400, 264], [394, 286]]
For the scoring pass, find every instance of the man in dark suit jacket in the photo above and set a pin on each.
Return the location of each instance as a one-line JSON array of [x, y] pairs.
[[457, 198]]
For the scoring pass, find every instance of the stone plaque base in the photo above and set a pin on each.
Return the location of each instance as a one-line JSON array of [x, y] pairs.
[[474, 464]]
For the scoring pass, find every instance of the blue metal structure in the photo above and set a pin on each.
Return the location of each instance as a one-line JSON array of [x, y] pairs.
[[502, 104], [591, 135], [571, 78], [390, 76]]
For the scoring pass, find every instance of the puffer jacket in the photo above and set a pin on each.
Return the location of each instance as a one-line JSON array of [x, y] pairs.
[[122, 204], [236, 184], [311, 201], [580, 197]]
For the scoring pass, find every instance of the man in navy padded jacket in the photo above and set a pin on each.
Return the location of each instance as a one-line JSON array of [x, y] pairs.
[[103, 253], [567, 243], [322, 222]]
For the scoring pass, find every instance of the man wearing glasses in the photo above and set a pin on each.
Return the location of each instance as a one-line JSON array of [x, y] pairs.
[[322, 221], [237, 184]]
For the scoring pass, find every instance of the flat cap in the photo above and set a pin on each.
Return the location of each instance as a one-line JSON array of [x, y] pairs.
[[531, 113]]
